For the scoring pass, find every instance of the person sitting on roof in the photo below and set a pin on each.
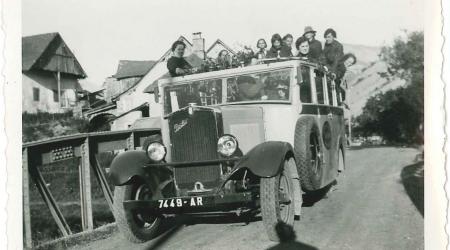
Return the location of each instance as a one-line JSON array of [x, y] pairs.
[[315, 47], [176, 64], [332, 50], [303, 48], [287, 41], [278, 49], [261, 45], [223, 59]]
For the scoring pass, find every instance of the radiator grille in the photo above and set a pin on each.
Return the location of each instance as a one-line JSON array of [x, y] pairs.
[[194, 138]]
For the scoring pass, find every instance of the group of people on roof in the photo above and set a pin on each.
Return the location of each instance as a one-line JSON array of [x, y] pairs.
[[307, 48], [331, 56]]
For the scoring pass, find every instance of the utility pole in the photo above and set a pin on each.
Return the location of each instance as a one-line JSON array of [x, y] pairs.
[[58, 80]]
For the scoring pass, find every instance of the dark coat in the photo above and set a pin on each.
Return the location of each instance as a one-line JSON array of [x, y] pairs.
[[284, 52], [331, 54], [177, 62], [340, 70], [307, 57], [315, 50]]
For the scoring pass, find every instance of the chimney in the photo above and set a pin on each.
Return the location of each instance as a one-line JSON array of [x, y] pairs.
[[198, 45]]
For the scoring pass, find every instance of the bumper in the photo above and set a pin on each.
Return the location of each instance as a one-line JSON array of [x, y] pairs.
[[194, 163], [189, 204]]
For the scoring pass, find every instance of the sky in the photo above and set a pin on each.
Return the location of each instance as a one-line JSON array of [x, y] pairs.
[[102, 32]]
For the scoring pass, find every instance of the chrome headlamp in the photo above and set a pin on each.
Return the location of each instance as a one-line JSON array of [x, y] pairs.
[[227, 145], [156, 151]]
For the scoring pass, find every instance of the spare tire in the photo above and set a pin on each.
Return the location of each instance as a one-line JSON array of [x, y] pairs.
[[308, 152]]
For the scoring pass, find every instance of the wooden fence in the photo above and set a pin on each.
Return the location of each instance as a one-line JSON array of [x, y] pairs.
[[85, 146]]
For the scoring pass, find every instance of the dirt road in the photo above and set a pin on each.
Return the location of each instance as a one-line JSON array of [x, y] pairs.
[[377, 205]]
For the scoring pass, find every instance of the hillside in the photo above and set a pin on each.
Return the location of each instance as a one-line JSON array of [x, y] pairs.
[[366, 77]]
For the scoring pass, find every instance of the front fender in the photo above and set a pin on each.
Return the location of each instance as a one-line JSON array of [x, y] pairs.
[[126, 165], [265, 159]]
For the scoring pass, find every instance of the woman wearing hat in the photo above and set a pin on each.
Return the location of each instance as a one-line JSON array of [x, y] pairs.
[[315, 47], [278, 49]]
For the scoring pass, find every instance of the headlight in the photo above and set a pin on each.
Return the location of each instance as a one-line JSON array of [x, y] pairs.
[[156, 151], [227, 145]]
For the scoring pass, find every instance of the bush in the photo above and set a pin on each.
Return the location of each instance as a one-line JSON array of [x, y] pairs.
[[43, 125], [397, 115]]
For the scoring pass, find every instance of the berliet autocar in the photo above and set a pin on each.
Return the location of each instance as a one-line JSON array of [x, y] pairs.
[[245, 139]]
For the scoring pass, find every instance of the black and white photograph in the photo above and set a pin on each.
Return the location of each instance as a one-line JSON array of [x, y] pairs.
[[227, 125]]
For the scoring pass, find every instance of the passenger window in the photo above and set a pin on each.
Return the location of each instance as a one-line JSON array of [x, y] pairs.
[[305, 85], [202, 93], [330, 92], [319, 87], [270, 86]]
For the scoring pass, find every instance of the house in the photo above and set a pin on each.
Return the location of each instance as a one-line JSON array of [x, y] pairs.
[[50, 75], [137, 103], [127, 75]]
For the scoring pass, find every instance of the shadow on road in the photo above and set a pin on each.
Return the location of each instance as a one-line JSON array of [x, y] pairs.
[[311, 197], [170, 226], [167, 229], [224, 218], [287, 237], [413, 181], [377, 146]]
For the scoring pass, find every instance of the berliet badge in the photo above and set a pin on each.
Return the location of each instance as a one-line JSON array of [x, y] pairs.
[[180, 125]]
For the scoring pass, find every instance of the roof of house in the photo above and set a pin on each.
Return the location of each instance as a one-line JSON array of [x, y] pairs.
[[166, 54], [49, 52], [129, 68], [218, 41]]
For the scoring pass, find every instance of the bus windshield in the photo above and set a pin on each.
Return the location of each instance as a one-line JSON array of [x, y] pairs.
[[257, 87]]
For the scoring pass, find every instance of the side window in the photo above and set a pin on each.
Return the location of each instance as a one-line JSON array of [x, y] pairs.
[[330, 92], [55, 95], [321, 95], [36, 94], [270, 86], [305, 85]]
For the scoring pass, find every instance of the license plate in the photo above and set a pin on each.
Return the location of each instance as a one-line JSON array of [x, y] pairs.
[[181, 202]]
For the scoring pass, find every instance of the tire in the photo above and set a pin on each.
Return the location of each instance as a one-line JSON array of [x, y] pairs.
[[272, 210], [308, 152], [136, 227]]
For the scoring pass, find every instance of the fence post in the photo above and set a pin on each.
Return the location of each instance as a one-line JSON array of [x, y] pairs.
[[49, 201], [26, 200], [87, 221]]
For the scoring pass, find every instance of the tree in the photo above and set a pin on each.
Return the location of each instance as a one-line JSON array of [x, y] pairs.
[[397, 115]]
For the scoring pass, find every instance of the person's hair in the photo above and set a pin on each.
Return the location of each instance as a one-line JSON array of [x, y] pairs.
[[347, 56], [299, 41], [261, 39], [276, 37], [330, 31], [176, 43], [287, 36]]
